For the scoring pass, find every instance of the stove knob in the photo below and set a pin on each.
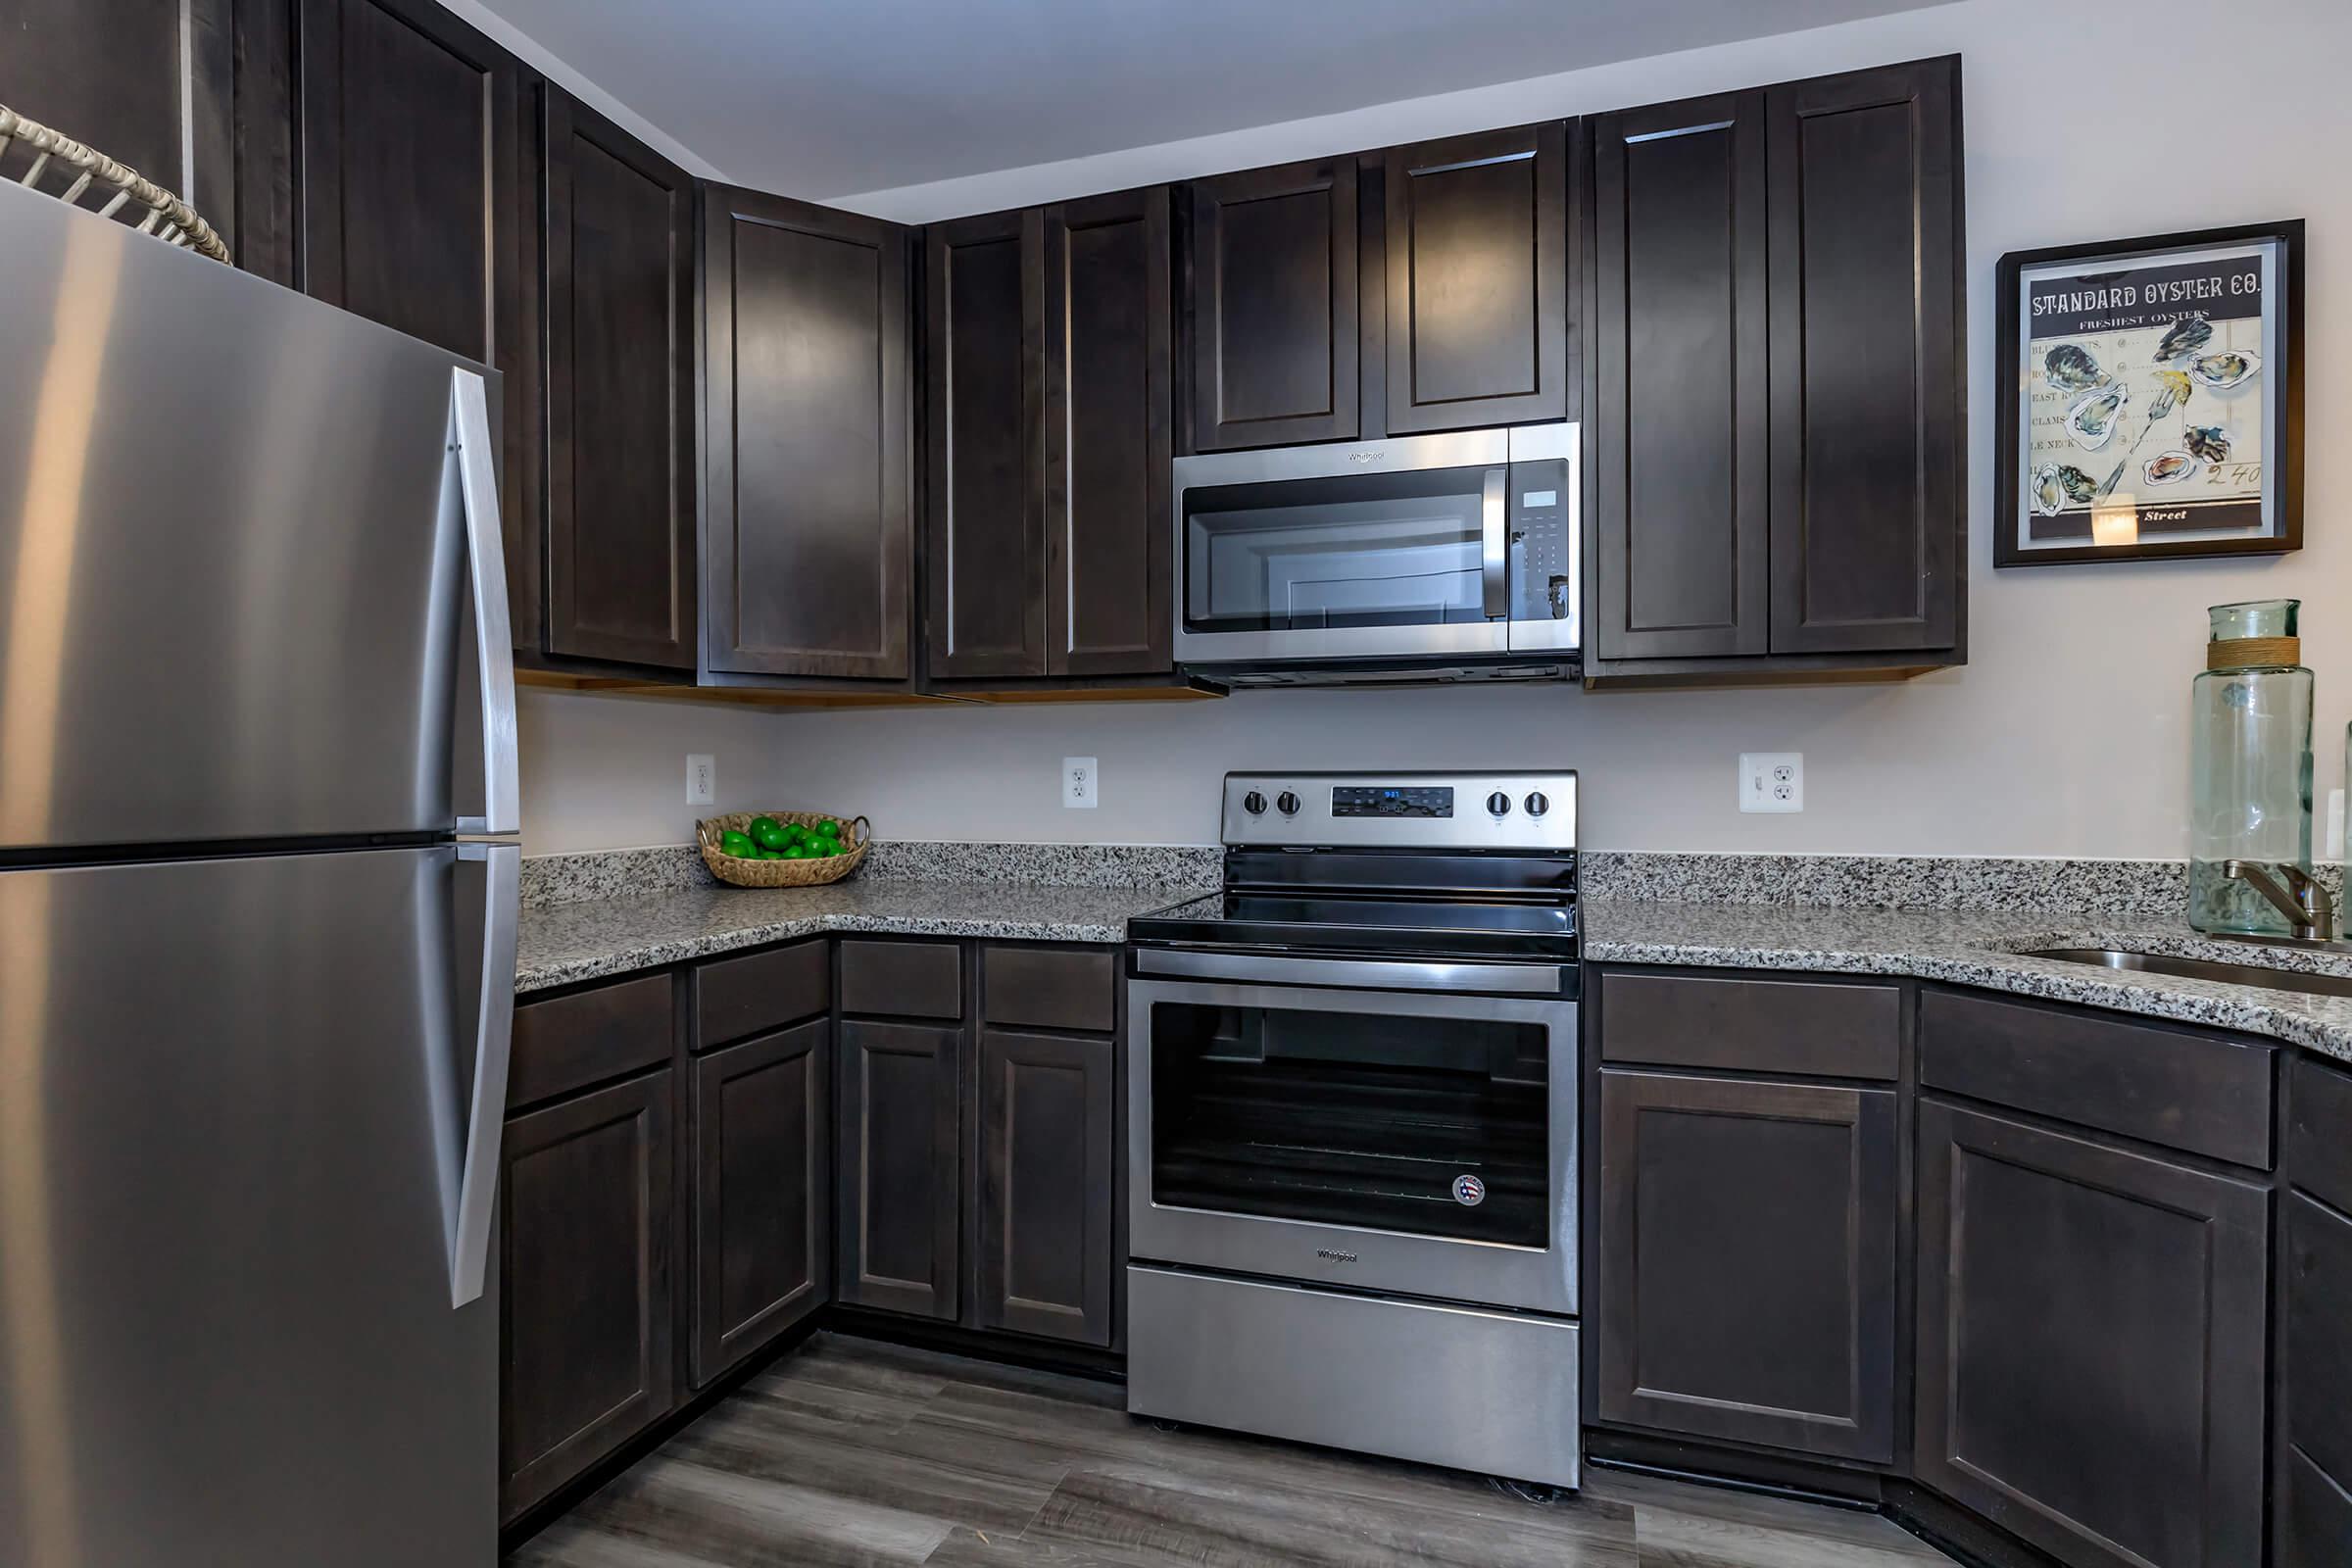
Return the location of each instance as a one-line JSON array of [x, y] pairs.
[[1538, 804], [1255, 804], [1287, 803], [1499, 804]]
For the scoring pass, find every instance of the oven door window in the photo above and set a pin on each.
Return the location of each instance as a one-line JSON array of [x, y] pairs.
[[1358, 550], [1431, 1126]]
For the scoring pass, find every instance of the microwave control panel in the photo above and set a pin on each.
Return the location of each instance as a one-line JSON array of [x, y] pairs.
[[1543, 512]]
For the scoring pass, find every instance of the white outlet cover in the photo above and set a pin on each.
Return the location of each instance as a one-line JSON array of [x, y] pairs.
[[1771, 781], [1081, 782], [702, 778]]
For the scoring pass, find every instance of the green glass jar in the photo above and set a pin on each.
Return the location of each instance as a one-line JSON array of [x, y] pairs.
[[2250, 778]]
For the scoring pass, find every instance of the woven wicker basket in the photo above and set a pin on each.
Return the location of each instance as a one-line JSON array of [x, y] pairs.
[[857, 834]]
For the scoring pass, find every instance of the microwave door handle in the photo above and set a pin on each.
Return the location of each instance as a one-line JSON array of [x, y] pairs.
[[493, 642], [1494, 534]]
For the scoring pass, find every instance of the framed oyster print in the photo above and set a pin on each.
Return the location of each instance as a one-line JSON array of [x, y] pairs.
[[2151, 398]]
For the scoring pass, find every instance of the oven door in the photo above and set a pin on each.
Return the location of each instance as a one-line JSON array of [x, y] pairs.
[[1419, 1140]]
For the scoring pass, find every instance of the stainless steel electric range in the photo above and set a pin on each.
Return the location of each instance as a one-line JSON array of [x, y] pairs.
[[1352, 1135]]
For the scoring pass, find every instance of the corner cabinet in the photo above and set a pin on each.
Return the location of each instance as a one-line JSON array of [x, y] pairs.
[[806, 447], [619, 301], [1048, 547], [1775, 410]]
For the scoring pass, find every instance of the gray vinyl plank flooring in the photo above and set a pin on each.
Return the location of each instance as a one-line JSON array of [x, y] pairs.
[[854, 1452]]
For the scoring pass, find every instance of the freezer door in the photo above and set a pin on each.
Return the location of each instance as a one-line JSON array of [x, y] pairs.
[[235, 1103], [233, 554]]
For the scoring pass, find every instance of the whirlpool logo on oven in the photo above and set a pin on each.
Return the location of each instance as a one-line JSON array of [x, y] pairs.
[[1332, 1254]]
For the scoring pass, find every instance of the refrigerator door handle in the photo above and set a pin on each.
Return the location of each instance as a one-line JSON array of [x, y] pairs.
[[471, 444], [493, 1041]]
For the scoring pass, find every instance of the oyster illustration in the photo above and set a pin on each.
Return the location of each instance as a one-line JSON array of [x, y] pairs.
[[2072, 368], [2208, 441], [2057, 485], [2169, 467], [2188, 335], [2091, 421], [2225, 370]]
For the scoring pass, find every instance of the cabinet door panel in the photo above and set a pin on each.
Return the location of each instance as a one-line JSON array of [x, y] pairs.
[[900, 1192], [808, 426], [1748, 1268], [128, 78], [2317, 1273], [620, 395], [585, 1290], [986, 526], [1477, 253], [1046, 1196], [1109, 554], [2091, 1340], [763, 1192], [1867, 454], [412, 203], [1679, 414], [1274, 307]]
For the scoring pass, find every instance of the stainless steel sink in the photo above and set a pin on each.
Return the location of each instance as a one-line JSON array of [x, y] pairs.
[[2236, 974]]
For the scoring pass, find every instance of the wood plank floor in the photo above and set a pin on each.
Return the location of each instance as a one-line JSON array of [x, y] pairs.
[[850, 1452]]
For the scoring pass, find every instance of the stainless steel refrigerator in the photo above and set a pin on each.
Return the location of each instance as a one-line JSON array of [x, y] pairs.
[[257, 920]]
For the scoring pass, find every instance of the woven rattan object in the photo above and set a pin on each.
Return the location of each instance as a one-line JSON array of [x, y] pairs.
[[855, 834], [73, 170]]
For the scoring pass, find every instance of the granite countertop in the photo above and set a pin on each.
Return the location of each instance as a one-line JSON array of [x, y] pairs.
[[1979, 948], [564, 943]]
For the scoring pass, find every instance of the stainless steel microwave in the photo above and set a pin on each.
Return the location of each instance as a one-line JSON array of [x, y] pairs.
[[1423, 557]]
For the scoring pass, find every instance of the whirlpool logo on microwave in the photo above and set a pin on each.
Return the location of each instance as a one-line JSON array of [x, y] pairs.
[[1332, 1254]]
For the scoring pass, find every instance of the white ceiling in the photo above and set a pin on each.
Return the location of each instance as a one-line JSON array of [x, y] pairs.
[[818, 99]]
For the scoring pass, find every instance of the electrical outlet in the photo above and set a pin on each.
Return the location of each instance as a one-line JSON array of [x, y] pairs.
[[702, 778], [1079, 781], [1771, 781]]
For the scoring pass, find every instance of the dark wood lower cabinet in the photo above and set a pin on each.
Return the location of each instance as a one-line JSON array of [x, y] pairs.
[[2092, 1330], [763, 1192], [1747, 1269], [901, 1197], [587, 1358], [1045, 1191], [2316, 1484]]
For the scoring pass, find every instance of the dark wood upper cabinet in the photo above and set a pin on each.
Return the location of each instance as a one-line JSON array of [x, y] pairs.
[[2091, 1341], [148, 85], [985, 535], [1274, 310], [413, 204], [901, 1187], [1748, 1270], [585, 1285], [619, 394], [1047, 543], [1679, 406], [808, 417], [1109, 553], [1476, 255], [762, 1209], [1046, 1188], [1868, 525]]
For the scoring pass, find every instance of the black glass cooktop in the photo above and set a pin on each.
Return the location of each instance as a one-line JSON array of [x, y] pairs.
[[1543, 927]]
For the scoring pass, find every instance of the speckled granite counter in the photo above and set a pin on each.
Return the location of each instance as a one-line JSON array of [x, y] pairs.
[[1979, 949], [564, 943]]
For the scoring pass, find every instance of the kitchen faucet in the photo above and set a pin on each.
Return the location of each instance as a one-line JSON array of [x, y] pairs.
[[2300, 898]]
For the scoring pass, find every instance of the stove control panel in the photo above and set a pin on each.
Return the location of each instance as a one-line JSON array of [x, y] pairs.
[[1520, 811]]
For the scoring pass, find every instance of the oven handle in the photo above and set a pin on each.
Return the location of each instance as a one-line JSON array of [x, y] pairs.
[[1514, 979], [1495, 539]]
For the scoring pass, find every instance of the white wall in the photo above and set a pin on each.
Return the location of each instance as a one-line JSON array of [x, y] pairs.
[[2064, 734], [609, 772]]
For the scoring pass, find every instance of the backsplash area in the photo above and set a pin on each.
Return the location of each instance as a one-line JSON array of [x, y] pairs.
[[2086, 887]]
